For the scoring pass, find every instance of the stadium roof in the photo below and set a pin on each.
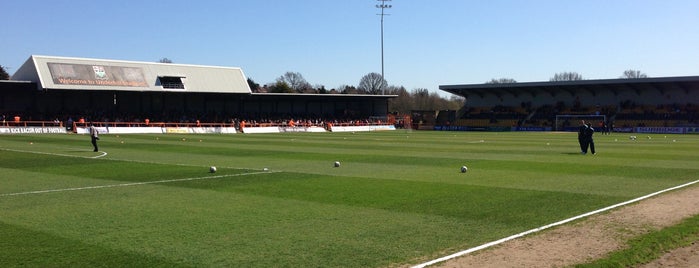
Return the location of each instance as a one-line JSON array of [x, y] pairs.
[[99, 74], [661, 84]]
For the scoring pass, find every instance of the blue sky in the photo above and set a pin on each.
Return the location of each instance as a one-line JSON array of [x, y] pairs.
[[336, 42]]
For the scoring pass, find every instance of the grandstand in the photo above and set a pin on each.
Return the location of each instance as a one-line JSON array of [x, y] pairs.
[[65, 89], [626, 103]]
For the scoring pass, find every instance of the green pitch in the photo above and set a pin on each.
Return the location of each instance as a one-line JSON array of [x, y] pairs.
[[397, 198]]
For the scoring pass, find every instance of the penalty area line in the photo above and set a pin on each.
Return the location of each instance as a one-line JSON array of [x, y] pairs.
[[134, 184], [503, 240]]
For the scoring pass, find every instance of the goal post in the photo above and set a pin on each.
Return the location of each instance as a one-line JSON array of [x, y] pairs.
[[570, 122]]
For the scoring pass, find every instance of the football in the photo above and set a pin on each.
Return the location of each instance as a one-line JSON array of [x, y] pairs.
[[337, 164], [212, 169], [464, 169]]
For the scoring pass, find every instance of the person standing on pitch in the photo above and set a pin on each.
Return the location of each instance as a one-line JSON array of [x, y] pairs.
[[589, 142], [94, 136], [581, 137]]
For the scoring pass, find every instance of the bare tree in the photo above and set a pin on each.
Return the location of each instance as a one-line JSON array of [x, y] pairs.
[[295, 81], [633, 74], [372, 83], [501, 81], [402, 104], [456, 102], [422, 99], [566, 76]]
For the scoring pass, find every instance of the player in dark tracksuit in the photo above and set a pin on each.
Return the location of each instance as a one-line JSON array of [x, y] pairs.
[[587, 139], [581, 137]]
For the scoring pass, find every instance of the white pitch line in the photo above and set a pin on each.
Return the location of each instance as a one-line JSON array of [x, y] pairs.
[[114, 159], [45, 153], [101, 155], [133, 184], [503, 240]]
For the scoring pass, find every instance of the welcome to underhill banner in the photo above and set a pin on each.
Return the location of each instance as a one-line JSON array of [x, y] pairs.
[[96, 75]]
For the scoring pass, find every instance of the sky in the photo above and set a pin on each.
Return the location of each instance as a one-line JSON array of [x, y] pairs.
[[334, 43]]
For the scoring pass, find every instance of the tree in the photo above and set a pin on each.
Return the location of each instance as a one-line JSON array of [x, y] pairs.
[[566, 76], [254, 87], [3, 73], [402, 104], [280, 87], [372, 83], [347, 89], [501, 81], [165, 60], [321, 89], [633, 74], [422, 100], [295, 81], [456, 102]]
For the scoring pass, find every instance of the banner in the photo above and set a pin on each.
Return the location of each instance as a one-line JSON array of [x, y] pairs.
[[531, 128], [32, 130], [671, 130], [623, 129], [301, 129], [85, 130], [282, 129], [361, 128], [159, 130], [96, 75], [261, 130]]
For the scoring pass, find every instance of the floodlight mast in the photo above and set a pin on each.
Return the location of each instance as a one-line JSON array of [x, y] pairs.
[[382, 6]]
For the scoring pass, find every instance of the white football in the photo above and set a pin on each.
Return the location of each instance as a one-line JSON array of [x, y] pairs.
[[212, 169], [464, 169], [337, 164]]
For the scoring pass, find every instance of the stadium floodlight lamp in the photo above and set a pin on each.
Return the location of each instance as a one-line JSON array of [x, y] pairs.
[[382, 6]]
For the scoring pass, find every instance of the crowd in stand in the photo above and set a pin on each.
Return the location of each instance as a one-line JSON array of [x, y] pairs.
[[182, 119], [625, 114]]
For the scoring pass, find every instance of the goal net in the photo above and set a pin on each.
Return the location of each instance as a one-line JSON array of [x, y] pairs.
[[571, 122]]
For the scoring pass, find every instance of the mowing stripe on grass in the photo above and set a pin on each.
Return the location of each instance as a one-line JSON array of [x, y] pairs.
[[112, 159], [134, 184], [56, 154], [503, 240]]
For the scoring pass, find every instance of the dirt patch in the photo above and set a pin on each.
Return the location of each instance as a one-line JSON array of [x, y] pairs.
[[594, 237]]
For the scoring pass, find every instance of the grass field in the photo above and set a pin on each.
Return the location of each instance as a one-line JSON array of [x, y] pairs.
[[398, 198]]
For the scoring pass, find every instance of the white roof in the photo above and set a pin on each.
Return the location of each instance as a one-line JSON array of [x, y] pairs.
[[100, 74]]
